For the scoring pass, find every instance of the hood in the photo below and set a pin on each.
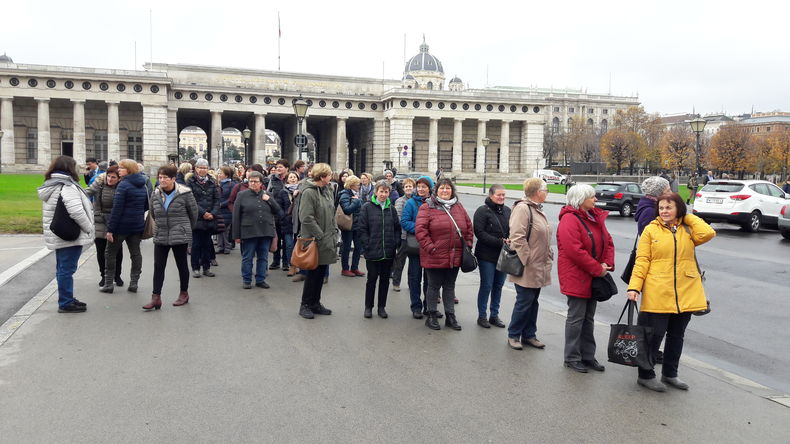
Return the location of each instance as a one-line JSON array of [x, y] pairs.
[[494, 206], [376, 202], [180, 189], [309, 183], [136, 179], [646, 204], [54, 183], [598, 214]]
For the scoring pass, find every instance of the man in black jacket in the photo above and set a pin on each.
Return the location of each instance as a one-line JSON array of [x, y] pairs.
[[276, 185]]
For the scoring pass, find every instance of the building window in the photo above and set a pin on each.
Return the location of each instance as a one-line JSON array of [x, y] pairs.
[[100, 145], [430, 85], [590, 110], [32, 145], [556, 109], [555, 125], [571, 110], [590, 122], [570, 122], [768, 128], [606, 111], [134, 145], [604, 125]]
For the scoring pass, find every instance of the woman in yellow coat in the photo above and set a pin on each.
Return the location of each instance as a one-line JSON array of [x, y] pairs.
[[667, 277]]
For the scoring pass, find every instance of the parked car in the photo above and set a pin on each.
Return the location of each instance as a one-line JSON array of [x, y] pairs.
[[550, 176], [783, 222], [748, 203], [618, 196]]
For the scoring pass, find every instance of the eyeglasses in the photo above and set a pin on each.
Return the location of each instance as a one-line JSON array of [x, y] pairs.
[[255, 181]]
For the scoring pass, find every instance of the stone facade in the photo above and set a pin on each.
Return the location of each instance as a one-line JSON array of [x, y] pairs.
[[362, 123]]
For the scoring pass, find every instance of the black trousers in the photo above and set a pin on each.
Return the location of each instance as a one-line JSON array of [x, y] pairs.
[[377, 270], [442, 279], [202, 249], [313, 284], [160, 262], [101, 246], [674, 326]]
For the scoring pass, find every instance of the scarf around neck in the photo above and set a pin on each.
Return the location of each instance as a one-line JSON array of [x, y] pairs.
[[447, 203]]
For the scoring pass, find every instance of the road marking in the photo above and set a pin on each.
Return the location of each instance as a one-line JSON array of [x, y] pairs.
[[19, 248], [23, 265]]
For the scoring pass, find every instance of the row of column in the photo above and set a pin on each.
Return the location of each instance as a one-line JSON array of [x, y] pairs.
[[433, 145]]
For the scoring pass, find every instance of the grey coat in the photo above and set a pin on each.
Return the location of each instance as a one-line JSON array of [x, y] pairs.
[[102, 195], [253, 216], [174, 226], [77, 204], [317, 219]]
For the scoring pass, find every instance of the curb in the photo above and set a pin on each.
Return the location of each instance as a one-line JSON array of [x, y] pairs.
[[23, 265]]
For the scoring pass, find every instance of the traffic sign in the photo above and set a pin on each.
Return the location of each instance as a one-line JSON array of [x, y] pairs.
[[300, 141], [405, 150]]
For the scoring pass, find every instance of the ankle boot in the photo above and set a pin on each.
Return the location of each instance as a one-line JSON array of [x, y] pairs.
[[155, 304], [431, 321], [450, 321], [108, 287], [132, 286], [183, 298]]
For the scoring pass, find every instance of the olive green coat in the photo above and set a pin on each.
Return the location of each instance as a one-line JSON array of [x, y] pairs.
[[317, 219]]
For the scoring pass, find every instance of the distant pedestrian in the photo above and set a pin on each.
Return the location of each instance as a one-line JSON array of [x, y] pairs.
[[692, 187], [91, 170], [786, 186], [708, 177], [492, 230], [61, 182]]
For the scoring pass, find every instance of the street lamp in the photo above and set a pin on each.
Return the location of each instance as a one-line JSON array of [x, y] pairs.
[[698, 126], [247, 155], [485, 142], [300, 109]]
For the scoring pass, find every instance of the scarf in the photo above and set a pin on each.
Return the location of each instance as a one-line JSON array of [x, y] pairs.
[[447, 203], [291, 187], [202, 179]]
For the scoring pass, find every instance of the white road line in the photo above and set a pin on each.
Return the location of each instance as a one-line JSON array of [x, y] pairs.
[[22, 266], [20, 248]]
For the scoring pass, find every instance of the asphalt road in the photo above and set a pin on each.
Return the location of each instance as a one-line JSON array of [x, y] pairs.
[[747, 284]]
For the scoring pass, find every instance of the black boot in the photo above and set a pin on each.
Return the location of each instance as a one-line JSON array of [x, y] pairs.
[[431, 321], [451, 322]]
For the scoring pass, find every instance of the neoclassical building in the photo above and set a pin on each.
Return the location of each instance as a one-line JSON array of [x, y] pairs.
[[417, 123]]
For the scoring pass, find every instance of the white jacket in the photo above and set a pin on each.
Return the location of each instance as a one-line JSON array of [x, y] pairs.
[[77, 204]]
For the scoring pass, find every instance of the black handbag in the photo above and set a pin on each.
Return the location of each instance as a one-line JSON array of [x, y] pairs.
[[62, 225], [508, 260], [628, 343], [629, 267], [412, 245], [468, 260], [602, 287]]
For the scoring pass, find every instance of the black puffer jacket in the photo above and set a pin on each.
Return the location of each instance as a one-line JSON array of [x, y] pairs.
[[492, 224], [379, 230], [207, 198]]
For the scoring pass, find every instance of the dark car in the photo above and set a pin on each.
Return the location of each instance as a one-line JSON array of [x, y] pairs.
[[618, 196]]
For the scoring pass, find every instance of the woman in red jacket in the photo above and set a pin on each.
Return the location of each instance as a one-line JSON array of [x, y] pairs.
[[576, 266], [441, 248]]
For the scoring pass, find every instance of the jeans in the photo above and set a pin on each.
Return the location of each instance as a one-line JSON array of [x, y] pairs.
[[313, 284], [133, 244], [160, 262], [66, 260], [202, 248], [255, 247], [442, 278], [415, 276], [674, 325], [347, 237], [101, 248], [523, 322], [491, 282], [377, 270], [579, 335], [288, 248], [400, 261]]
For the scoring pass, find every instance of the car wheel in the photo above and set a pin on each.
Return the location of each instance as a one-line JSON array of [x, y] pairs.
[[562, 182], [755, 221], [785, 233], [626, 210]]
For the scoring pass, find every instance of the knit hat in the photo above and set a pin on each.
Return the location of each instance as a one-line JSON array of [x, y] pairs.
[[427, 181], [654, 186]]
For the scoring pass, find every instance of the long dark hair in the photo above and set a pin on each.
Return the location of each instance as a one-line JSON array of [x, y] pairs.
[[63, 164]]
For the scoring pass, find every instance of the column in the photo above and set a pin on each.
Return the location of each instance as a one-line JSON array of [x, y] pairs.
[[7, 125], [380, 145], [480, 161], [44, 141], [78, 126], [341, 145], [433, 145], [215, 139], [504, 148], [458, 144], [172, 133], [113, 132], [259, 144], [532, 147], [154, 136]]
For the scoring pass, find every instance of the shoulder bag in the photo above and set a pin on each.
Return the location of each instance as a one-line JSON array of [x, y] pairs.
[[305, 253], [344, 221], [150, 226], [508, 260], [468, 260], [629, 267], [603, 287], [62, 225]]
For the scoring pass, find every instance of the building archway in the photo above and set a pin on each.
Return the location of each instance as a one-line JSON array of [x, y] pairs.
[[192, 143]]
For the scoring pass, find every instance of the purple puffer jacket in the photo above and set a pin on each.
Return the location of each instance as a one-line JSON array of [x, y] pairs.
[[646, 212]]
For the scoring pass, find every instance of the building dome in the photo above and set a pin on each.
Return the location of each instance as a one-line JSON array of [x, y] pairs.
[[5, 59], [456, 80], [424, 61], [456, 84]]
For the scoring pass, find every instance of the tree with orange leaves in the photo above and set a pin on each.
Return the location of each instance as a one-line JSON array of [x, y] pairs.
[[731, 150]]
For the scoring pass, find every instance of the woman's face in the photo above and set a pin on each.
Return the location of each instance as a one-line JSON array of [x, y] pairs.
[[422, 190], [355, 187], [343, 178], [445, 192], [201, 170], [408, 189], [541, 195], [122, 172], [498, 197], [221, 175], [668, 211], [364, 180], [292, 179], [112, 179], [588, 203], [382, 194], [255, 184]]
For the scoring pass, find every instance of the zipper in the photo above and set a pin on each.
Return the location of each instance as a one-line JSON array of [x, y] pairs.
[[675, 269], [383, 248]]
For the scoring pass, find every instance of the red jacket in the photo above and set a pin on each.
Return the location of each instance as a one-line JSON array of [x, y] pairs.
[[575, 265], [440, 246]]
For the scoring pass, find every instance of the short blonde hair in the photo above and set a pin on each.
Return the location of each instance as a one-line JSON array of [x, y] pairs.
[[578, 193], [130, 165], [351, 181], [321, 170], [185, 168], [533, 185]]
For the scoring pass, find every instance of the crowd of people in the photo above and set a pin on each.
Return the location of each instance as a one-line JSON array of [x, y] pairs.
[[197, 212]]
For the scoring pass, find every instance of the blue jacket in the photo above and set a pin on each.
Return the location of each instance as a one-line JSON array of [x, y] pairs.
[[224, 195], [645, 213], [129, 206], [409, 217], [350, 206]]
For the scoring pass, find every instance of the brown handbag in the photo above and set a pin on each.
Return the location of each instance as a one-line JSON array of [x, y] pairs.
[[275, 244], [305, 253], [344, 221], [150, 226]]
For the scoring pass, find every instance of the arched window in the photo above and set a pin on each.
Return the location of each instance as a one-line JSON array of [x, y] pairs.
[[604, 126], [430, 85], [555, 125], [570, 122], [590, 122]]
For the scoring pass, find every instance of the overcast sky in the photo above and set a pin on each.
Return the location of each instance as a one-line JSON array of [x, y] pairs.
[[712, 55]]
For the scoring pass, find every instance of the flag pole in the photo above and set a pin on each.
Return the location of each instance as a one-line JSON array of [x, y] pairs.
[[279, 37]]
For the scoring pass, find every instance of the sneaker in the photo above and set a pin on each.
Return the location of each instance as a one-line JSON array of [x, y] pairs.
[[72, 308], [675, 382], [652, 384], [196, 274], [320, 310], [515, 344], [305, 312], [208, 273], [347, 273], [247, 285], [262, 284], [274, 266], [396, 288]]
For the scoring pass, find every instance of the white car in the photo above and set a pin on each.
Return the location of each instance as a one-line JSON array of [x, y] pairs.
[[550, 176], [748, 203]]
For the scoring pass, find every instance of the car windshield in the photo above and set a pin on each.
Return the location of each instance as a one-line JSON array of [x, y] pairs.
[[607, 187], [722, 187]]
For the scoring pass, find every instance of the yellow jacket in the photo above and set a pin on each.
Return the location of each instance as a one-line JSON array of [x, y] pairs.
[[666, 271]]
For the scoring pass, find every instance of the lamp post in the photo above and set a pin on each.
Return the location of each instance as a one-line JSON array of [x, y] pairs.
[[247, 155], [485, 142], [698, 126], [354, 160], [300, 109]]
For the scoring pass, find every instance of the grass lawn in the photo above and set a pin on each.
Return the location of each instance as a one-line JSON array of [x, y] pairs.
[[20, 209], [560, 189]]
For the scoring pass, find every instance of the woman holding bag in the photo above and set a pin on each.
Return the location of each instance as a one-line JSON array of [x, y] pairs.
[[530, 237], [349, 204], [491, 226], [666, 275]]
